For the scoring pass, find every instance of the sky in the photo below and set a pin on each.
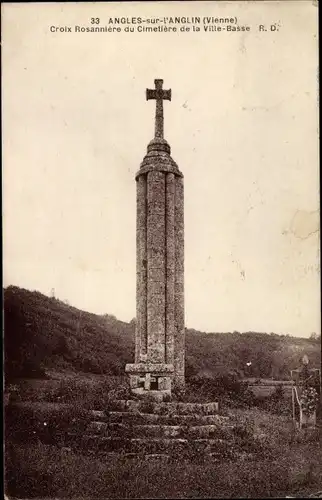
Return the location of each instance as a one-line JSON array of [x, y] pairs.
[[243, 128]]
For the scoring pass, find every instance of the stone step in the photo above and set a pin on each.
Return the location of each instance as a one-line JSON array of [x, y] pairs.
[[163, 408], [150, 457], [155, 457], [100, 416], [177, 446], [150, 418], [159, 431]]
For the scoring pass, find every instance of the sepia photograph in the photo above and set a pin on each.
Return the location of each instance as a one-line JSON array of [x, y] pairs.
[[161, 250]]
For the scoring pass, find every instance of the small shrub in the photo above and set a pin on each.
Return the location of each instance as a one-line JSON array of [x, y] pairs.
[[226, 387], [276, 403], [147, 406], [89, 393], [48, 423], [178, 394]]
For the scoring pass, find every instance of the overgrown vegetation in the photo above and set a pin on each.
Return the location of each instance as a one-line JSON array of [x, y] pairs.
[[89, 393], [232, 392]]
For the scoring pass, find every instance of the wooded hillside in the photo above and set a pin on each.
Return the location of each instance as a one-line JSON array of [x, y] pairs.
[[45, 333]]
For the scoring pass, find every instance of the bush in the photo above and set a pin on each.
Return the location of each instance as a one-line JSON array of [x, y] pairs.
[[30, 422], [88, 393], [276, 403], [226, 387]]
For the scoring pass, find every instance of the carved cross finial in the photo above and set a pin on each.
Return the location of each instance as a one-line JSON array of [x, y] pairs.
[[159, 95]]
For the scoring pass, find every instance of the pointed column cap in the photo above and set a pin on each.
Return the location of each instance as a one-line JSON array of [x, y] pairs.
[[158, 159]]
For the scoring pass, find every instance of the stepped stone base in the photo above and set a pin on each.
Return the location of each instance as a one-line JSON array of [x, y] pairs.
[[151, 418], [159, 431], [153, 431], [163, 408]]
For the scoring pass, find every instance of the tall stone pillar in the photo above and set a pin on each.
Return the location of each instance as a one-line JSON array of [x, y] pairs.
[[170, 267], [179, 327], [156, 252], [160, 334]]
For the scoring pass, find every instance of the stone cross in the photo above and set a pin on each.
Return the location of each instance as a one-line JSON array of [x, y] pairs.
[[159, 95], [158, 367]]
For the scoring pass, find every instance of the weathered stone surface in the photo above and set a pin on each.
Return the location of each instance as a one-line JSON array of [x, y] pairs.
[[159, 94], [165, 384], [179, 330], [170, 268], [147, 395], [159, 430], [179, 430], [98, 414], [123, 405], [163, 408], [141, 269], [144, 431], [204, 431], [98, 428], [187, 408], [134, 381], [149, 367], [156, 261], [158, 159], [124, 457], [151, 418]]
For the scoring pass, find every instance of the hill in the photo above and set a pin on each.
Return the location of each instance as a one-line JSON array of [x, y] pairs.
[[45, 333]]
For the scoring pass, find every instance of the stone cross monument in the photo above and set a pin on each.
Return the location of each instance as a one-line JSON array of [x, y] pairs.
[[160, 334]]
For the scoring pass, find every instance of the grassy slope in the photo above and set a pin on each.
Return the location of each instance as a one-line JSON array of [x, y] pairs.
[[45, 332], [42, 331]]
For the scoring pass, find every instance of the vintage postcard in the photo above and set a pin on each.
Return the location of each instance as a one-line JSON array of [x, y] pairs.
[[161, 249]]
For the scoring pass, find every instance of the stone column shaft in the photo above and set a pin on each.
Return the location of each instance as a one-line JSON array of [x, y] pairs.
[[141, 269], [159, 119], [156, 266], [170, 267], [179, 337], [160, 332]]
